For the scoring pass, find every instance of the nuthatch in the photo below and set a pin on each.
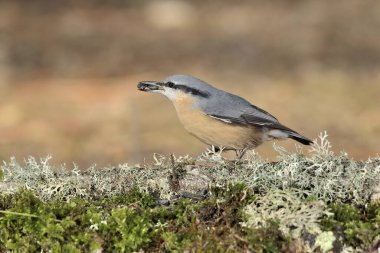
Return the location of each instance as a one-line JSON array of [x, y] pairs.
[[219, 118]]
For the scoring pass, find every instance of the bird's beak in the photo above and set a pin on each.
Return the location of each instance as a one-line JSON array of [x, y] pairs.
[[150, 86]]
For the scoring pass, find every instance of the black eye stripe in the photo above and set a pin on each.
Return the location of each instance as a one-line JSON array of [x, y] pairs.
[[186, 89], [192, 91]]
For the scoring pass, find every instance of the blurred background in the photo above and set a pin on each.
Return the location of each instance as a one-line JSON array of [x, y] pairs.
[[69, 69]]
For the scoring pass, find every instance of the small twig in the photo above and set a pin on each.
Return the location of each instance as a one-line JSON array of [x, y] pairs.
[[24, 214]]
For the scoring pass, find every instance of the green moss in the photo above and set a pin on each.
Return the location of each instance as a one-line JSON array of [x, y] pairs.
[[372, 212], [342, 213], [28, 224], [360, 233], [130, 222], [361, 225], [128, 230], [177, 242], [268, 238], [122, 223], [42, 230]]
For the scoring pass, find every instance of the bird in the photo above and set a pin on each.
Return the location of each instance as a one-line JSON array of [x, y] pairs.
[[218, 118]]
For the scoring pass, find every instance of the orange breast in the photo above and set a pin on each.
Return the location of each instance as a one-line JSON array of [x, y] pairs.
[[213, 131]]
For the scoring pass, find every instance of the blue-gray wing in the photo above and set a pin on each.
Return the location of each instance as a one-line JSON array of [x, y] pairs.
[[234, 109]]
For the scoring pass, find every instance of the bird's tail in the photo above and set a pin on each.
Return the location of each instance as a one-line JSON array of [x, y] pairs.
[[300, 138], [281, 132]]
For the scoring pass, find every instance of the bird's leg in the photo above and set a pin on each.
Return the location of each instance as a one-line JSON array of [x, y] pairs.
[[213, 150], [240, 153]]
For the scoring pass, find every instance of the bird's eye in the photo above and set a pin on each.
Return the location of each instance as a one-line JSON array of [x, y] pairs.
[[170, 84]]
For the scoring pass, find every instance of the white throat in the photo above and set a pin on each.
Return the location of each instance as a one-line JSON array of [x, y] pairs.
[[171, 93]]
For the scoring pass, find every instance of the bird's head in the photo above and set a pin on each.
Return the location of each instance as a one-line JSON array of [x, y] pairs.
[[178, 85]]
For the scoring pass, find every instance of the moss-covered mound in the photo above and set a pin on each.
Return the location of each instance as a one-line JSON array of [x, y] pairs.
[[318, 202]]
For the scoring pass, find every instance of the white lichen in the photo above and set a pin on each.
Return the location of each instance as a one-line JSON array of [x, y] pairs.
[[321, 175], [293, 215]]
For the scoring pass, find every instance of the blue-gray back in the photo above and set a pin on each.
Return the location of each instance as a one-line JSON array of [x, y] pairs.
[[223, 104]]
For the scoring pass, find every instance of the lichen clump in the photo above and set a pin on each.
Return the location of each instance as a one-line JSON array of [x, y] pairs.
[[318, 202]]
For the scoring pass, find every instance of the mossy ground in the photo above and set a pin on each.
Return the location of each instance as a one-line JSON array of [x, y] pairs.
[[135, 221], [320, 203]]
